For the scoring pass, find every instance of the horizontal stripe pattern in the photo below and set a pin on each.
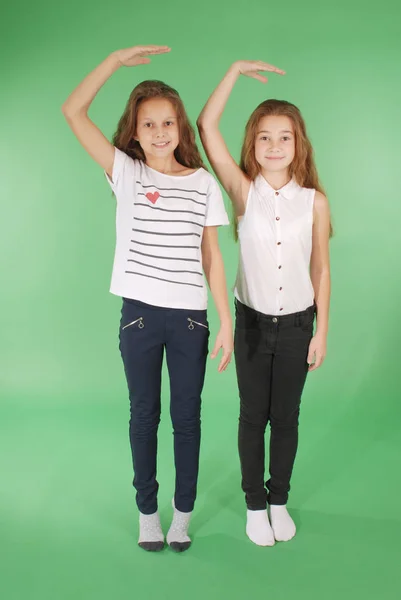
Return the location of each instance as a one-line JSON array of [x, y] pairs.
[[162, 269], [165, 232], [167, 229], [164, 245], [168, 221], [165, 257], [177, 197], [171, 189], [191, 212], [159, 225]]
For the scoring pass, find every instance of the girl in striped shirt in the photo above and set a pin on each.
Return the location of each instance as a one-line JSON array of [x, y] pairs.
[[168, 211]]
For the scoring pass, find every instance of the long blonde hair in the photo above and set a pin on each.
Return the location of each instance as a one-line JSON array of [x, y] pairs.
[[303, 167], [186, 153]]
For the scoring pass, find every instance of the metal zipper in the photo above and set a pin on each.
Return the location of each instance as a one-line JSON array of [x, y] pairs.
[[140, 326], [191, 324]]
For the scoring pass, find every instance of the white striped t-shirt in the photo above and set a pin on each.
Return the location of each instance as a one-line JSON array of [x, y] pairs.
[[159, 228]]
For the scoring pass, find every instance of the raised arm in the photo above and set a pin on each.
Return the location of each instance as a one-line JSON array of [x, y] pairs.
[[234, 181], [75, 108]]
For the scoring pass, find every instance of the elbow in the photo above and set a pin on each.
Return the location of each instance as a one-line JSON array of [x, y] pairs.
[[206, 265], [71, 112], [320, 274], [67, 112], [204, 125], [200, 125]]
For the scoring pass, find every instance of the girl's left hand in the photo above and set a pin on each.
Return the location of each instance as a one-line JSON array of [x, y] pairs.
[[138, 55], [224, 341], [317, 352], [251, 68]]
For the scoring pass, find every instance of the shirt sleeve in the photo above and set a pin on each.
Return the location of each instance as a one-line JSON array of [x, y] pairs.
[[124, 173], [215, 211]]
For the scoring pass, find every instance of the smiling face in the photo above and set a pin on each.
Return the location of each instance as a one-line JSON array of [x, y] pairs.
[[157, 128], [275, 143]]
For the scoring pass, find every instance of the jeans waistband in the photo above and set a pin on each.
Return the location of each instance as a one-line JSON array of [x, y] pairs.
[[294, 319], [162, 308]]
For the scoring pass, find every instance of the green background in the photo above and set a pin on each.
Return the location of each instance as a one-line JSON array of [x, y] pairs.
[[68, 522]]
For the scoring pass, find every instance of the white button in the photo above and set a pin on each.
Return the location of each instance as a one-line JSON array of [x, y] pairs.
[[274, 319]]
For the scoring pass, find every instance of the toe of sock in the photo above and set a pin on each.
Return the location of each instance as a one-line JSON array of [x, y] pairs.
[[267, 540], [284, 535], [151, 546], [179, 546]]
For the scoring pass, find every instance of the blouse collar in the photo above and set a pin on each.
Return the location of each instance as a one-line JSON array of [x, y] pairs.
[[288, 191]]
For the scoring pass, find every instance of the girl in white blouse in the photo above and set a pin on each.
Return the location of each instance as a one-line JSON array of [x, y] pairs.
[[283, 225]]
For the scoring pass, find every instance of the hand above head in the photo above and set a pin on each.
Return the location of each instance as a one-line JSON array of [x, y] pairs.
[[138, 55], [250, 68]]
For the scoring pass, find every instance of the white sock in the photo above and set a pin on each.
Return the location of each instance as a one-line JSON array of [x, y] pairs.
[[283, 526], [177, 536], [258, 528], [150, 532]]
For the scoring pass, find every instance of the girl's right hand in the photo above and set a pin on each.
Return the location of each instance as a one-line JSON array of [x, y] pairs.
[[137, 55], [250, 68]]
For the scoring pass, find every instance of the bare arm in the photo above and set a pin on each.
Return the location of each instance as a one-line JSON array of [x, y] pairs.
[[214, 270], [75, 108], [234, 181], [320, 275]]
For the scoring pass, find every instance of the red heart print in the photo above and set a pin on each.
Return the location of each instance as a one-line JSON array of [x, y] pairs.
[[152, 196]]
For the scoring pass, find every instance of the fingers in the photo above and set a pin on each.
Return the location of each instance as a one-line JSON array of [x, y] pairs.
[[262, 66], [318, 362], [153, 49], [223, 364], [251, 69], [215, 350], [143, 61], [225, 360], [258, 77]]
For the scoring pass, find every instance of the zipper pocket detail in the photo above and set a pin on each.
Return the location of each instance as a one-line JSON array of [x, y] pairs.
[[192, 326], [140, 326]]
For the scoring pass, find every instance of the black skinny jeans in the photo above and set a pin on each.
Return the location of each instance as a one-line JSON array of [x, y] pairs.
[[271, 361]]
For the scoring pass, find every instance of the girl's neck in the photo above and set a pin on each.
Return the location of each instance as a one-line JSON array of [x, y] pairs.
[[167, 165], [276, 180]]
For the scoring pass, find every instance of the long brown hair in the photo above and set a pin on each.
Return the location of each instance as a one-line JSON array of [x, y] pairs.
[[186, 153], [303, 167]]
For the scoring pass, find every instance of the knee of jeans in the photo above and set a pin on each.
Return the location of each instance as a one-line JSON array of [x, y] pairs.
[[285, 423], [186, 425], [144, 423], [253, 421]]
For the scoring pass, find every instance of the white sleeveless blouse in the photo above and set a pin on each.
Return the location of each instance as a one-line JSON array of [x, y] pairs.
[[275, 238]]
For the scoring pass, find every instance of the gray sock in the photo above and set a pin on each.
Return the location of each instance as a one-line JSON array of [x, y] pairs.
[[151, 536], [177, 537]]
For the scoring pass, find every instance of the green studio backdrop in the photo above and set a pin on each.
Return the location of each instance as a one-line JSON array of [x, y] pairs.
[[67, 513]]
